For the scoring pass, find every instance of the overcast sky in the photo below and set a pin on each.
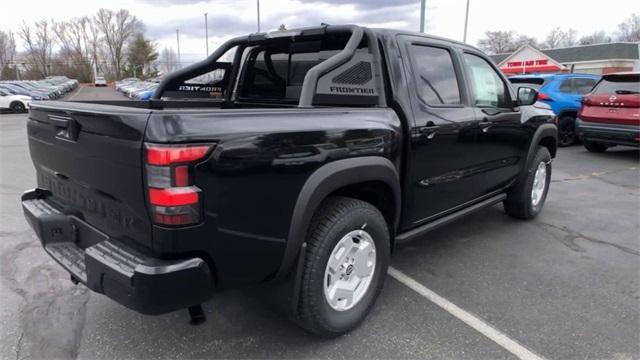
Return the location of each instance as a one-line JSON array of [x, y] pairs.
[[228, 17]]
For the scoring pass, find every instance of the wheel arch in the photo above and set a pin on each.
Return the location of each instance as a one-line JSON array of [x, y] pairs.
[[11, 104], [356, 177], [568, 112], [546, 135]]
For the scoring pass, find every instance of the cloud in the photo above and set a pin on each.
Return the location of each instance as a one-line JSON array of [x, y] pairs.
[[365, 4], [171, 2]]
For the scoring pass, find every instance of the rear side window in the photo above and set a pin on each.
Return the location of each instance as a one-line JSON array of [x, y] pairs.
[[577, 85], [488, 88], [583, 85], [436, 77], [565, 87], [618, 85]]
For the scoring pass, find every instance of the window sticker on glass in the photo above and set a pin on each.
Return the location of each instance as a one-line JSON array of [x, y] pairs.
[[485, 86]]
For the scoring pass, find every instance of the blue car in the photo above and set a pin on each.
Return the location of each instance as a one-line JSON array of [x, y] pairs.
[[147, 94], [563, 92]]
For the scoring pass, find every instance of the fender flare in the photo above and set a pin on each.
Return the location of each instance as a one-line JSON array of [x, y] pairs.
[[544, 130], [325, 180]]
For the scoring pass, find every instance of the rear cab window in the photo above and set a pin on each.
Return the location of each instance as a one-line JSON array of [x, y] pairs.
[[274, 73]]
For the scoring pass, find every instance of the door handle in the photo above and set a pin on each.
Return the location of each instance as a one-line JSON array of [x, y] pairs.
[[485, 125], [429, 131], [59, 121]]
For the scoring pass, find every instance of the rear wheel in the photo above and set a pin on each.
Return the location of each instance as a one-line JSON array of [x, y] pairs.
[[596, 147], [525, 200], [18, 107], [566, 131], [345, 265]]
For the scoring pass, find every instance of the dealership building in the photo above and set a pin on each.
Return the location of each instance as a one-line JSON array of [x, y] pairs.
[[591, 59]]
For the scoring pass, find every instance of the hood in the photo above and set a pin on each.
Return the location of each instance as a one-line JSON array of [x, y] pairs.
[[542, 105]]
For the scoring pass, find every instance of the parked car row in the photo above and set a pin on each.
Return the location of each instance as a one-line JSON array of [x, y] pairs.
[[600, 111], [137, 89], [563, 92], [16, 95]]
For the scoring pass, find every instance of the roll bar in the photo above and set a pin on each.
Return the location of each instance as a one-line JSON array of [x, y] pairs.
[[311, 78]]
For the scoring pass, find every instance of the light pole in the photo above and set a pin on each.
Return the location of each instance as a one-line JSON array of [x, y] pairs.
[[423, 6], [258, 8], [178, 41], [466, 21], [206, 32]]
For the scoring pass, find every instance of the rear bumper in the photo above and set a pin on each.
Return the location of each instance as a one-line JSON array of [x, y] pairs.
[[608, 133], [137, 281]]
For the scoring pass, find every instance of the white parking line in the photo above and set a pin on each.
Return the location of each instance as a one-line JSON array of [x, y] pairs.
[[473, 321], [76, 93]]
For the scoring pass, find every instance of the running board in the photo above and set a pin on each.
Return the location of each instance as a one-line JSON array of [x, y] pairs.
[[413, 233]]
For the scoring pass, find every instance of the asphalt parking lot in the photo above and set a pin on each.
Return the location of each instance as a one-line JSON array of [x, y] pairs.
[[563, 286]]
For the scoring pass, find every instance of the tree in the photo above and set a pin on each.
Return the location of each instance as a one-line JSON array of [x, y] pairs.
[[168, 61], [117, 29], [598, 37], [38, 43], [282, 27], [74, 39], [496, 42], [560, 38], [141, 57], [629, 30], [525, 40], [7, 55]]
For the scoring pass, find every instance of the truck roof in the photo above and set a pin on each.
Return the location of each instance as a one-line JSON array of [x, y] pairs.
[[394, 32]]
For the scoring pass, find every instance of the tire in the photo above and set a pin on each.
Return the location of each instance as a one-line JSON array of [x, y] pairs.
[[18, 107], [567, 131], [595, 147], [342, 220], [522, 202]]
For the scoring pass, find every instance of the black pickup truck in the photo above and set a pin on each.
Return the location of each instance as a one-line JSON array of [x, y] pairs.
[[301, 160]]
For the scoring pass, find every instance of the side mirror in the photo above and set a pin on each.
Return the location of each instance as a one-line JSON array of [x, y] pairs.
[[527, 95]]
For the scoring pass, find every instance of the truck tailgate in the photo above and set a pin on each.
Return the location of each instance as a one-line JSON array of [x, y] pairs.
[[89, 157]]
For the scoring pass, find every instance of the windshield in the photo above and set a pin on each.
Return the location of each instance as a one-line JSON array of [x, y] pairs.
[[618, 85]]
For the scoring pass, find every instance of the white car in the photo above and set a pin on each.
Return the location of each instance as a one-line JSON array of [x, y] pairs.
[[100, 81], [17, 103]]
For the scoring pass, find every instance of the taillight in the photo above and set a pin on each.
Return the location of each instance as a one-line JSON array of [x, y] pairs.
[[173, 198], [543, 96]]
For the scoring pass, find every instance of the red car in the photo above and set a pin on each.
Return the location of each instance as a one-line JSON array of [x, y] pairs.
[[610, 113]]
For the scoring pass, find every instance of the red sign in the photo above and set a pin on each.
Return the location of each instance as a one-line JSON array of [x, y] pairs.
[[528, 63], [529, 66]]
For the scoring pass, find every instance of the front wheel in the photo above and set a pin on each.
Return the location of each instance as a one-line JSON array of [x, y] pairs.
[[526, 199], [345, 265], [18, 107]]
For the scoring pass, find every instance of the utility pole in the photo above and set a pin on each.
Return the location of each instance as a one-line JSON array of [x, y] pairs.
[[423, 7], [206, 32], [258, 7], [178, 40], [466, 21]]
